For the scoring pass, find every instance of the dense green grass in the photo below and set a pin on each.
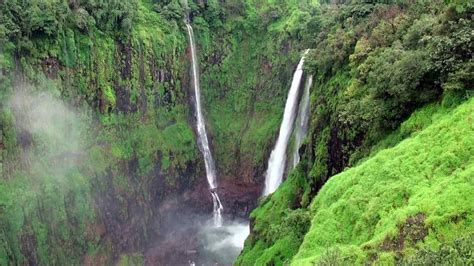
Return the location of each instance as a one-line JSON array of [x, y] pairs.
[[279, 229], [282, 220], [360, 214]]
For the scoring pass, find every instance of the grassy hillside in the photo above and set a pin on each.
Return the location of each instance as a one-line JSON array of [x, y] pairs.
[[374, 64], [416, 195]]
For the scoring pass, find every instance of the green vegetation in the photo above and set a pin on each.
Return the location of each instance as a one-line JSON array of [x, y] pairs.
[[412, 196], [412, 208], [95, 126], [278, 230], [117, 71], [374, 64]]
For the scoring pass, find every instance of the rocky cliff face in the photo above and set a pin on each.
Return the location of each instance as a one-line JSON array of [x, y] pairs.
[[133, 184], [104, 195]]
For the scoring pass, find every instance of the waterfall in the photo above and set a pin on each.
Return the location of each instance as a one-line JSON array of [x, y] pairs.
[[202, 134], [302, 120], [276, 163]]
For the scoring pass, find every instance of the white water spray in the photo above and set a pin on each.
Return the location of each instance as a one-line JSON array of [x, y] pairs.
[[302, 120], [202, 134], [276, 163]]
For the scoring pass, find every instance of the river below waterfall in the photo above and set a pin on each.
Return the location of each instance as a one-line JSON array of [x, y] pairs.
[[221, 245]]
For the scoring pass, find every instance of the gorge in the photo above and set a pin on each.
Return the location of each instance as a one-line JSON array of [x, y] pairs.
[[226, 132]]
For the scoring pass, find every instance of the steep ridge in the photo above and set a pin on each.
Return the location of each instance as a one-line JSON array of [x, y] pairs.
[[95, 131]]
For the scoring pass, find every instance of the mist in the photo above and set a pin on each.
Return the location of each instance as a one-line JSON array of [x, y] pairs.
[[50, 133], [54, 143], [223, 244], [188, 237]]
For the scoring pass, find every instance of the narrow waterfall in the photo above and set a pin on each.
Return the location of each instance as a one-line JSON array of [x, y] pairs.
[[277, 161], [302, 120], [202, 134]]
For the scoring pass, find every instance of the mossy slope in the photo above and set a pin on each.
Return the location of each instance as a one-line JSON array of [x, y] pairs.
[[415, 195]]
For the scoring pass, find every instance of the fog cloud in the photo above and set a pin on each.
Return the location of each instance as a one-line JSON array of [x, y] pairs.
[[49, 132]]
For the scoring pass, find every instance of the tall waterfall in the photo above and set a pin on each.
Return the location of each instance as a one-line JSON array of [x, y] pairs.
[[202, 134], [302, 120], [276, 163]]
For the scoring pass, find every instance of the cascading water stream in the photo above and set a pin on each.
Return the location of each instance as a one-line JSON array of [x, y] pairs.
[[202, 134], [276, 163], [302, 120]]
